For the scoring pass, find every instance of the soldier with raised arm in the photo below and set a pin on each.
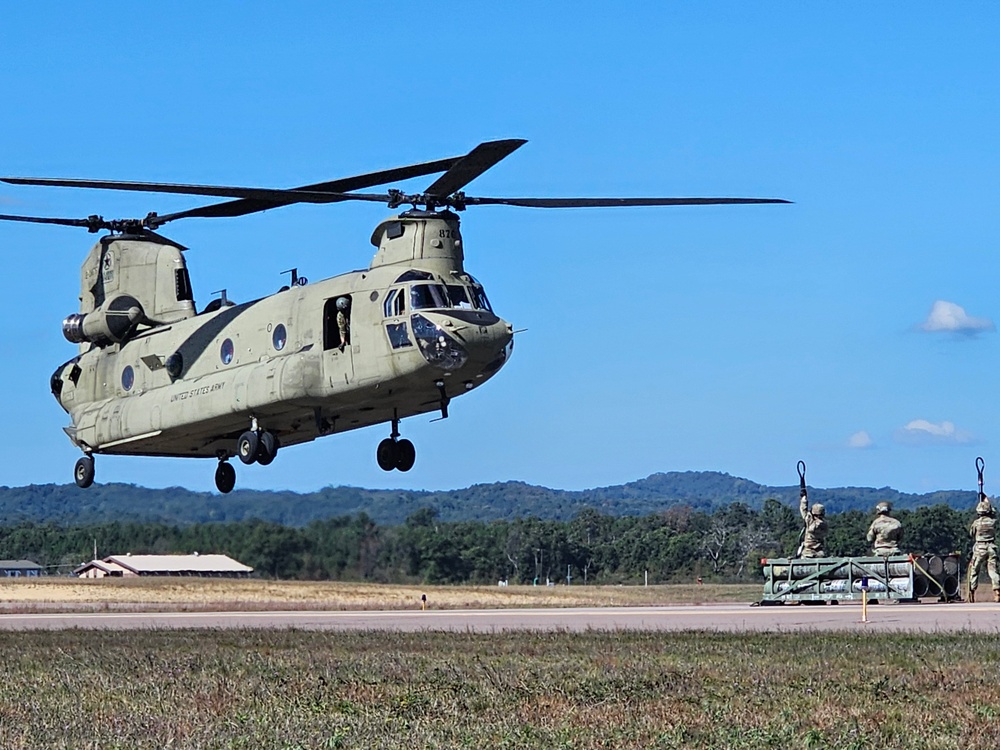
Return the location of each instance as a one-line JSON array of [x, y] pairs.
[[984, 548], [814, 539]]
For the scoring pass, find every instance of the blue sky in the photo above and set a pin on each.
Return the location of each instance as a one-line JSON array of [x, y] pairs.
[[854, 329]]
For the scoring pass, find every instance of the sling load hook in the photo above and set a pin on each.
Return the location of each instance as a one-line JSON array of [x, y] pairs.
[[980, 465], [801, 468]]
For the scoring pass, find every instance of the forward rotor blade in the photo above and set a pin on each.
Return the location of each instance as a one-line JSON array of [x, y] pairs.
[[473, 164], [613, 202]]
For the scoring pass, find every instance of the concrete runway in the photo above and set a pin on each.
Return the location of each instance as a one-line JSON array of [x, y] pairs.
[[983, 617]]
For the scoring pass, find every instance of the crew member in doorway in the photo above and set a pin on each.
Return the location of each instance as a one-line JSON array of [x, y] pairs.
[[885, 532], [816, 528], [984, 548], [344, 321]]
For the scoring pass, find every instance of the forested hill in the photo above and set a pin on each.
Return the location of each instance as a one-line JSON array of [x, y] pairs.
[[705, 490]]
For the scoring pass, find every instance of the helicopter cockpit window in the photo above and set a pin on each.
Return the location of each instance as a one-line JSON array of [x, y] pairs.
[[429, 296], [479, 295], [395, 304], [459, 297], [413, 275], [440, 296]]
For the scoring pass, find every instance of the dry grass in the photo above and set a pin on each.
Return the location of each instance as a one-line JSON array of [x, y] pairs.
[[288, 689], [255, 595]]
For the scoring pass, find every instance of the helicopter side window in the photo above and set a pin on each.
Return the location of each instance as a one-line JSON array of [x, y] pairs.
[[429, 296], [398, 335], [395, 304]]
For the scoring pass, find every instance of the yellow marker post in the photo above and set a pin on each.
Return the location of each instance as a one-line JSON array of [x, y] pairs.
[[864, 599]]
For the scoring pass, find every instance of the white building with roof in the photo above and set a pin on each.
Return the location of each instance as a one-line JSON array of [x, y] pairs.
[[208, 566]]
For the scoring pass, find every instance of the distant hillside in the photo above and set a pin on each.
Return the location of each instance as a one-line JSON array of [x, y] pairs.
[[702, 490]]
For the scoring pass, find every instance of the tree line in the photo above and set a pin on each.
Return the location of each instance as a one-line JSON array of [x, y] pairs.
[[675, 545]]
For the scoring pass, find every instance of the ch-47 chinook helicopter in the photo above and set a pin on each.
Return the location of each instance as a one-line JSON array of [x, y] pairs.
[[156, 377]]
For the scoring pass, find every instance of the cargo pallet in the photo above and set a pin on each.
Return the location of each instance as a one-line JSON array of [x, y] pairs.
[[835, 579]]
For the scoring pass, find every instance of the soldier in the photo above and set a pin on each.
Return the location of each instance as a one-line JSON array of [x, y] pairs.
[[344, 321], [984, 548], [886, 532], [816, 528]]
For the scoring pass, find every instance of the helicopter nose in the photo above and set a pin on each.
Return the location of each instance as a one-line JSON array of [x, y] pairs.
[[474, 348]]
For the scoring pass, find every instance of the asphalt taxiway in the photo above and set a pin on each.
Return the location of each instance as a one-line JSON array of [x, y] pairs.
[[955, 617]]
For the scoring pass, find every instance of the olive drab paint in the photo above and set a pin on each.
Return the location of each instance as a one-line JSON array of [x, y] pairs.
[[299, 385], [156, 377]]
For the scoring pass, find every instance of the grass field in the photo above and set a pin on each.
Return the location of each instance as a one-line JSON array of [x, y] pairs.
[[288, 689], [200, 594]]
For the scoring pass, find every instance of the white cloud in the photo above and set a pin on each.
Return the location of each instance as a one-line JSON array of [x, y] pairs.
[[860, 439], [922, 432], [947, 317]]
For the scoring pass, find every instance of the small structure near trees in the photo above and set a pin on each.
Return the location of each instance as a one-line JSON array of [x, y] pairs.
[[126, 566], [20, 568]]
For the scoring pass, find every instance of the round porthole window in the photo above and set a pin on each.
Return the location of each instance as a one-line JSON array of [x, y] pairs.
[[279, 337], [128, 378], [227, 352]]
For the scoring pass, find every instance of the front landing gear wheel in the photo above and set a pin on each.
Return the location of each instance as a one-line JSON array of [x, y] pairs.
[[246, 447], [83, 472], [225, 477], [386, 455], [406, 455]]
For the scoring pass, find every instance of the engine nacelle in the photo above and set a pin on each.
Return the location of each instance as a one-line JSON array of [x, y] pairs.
[[110, 323]]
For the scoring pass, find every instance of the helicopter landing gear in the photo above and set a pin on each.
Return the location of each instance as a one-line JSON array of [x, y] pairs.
[[394, 453], [247, 445], [83, 472], [267, 448], [225, 476], [256, 445]]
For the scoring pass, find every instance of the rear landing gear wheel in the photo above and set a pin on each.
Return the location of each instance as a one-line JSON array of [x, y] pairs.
[[267, 448], [386, 455], [225, 477], [246, 447], [83, 472], [406, 455]]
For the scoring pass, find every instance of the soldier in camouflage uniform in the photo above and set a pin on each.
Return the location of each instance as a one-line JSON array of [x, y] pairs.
[[816, 528], [885, 532], [984, 548]]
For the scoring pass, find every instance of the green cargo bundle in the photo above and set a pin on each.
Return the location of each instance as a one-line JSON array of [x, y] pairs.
[[834, 579]]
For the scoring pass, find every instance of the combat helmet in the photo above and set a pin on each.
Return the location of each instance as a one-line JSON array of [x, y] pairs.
[[984, 508], [883, 508], [818, 510]]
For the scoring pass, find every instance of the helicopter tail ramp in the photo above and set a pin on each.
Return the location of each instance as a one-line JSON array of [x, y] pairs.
[[835, 579]]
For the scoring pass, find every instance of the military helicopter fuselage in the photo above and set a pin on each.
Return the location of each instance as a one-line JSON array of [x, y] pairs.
[[155, 377], [417, 331]]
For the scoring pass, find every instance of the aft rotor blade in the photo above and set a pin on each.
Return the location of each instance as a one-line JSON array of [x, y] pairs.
[[473, 164], [253, 205], [88, 223], [251, 199], [613, 202]]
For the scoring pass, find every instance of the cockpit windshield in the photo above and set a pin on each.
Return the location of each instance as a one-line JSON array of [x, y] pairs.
[[444, 296]]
